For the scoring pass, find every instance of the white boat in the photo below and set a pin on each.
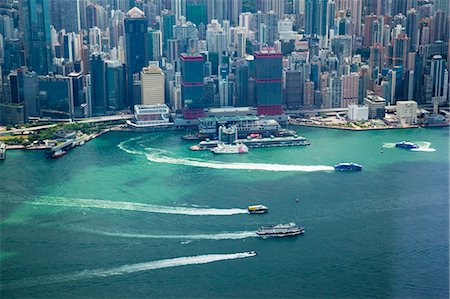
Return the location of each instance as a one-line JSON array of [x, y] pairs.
[[223, 148], [257, 209], [2, 151], [280, 230]]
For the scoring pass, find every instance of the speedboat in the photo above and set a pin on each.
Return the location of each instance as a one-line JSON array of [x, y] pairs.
[[257, 209], [406, 144], [348, 166]]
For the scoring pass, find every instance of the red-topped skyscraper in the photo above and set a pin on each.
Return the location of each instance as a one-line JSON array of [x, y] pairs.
[[268, 71], [191, 66]]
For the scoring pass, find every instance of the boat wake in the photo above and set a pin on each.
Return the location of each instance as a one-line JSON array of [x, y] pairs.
[[133, 206], [123, 270], [127, 150], [388, 145], [424, 146], [162, 156], [218, 236]]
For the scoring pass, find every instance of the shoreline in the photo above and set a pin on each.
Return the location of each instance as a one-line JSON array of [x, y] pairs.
[[352, 128]]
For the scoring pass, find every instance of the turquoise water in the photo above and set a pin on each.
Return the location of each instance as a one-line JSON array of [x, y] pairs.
[[139, 215]]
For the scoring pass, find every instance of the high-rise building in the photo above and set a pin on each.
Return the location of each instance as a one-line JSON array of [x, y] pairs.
[[137, 54], [152, 85], [35, 23], [294, 83], [191, 66], [115, 85], [350, 89], [168, 21], [268, 81], [155, 45], [356, 12], [412, 29], [64, 15], [308, 94], [439, 75], [56, 96], [335, 91], [98, 83], [241, 84], [196, 13], [78, 103]]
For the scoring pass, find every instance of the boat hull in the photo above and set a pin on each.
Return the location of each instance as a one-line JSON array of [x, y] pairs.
[[287, 234]]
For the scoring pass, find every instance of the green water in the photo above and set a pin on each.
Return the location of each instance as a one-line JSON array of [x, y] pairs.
[[139, 215]]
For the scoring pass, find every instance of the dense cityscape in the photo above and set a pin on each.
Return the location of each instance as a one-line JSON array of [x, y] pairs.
[[263, 148], [74, 59]]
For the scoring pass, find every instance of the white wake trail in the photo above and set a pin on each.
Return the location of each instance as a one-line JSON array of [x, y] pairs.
[[133, 206], [424, 146], [163, 156], [217, 236], [123, 270], [159, 156]]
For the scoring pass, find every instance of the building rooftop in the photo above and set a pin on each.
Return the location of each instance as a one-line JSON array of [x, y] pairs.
[[229, 118], [135, 13]]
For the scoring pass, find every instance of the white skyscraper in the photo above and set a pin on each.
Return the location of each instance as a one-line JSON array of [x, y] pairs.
[[152, 85]]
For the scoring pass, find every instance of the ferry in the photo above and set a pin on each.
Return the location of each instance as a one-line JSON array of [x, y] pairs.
[[257, 142], [280, 230], [223, 148], [257, 209], [348, 166], [2, 151], [407, 145]]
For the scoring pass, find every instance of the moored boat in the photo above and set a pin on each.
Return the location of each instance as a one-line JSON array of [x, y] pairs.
[[2, 151], [280, 230], [257, 209], [59, 153], [348, 166], [406, 144], [223, 148]]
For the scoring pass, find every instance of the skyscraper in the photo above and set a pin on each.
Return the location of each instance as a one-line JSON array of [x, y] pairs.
[[152, 85], [439, 75], [115, 85], [35, 23], [191, 67], [137, 54], [412, 29], [241, 84], [268, 81], [98, 83]]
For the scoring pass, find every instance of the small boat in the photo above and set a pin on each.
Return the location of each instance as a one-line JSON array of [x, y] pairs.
[[406, 144], [280, 230], [253, 253], [59, 153], [2, 151], [223, 148], [348, 166], [257, 209]]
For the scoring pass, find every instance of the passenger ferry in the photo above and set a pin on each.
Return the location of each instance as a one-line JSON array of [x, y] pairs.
[[257, 209], [223, 148], [407, 145], [257, 142], [348, 166], [280, 230]]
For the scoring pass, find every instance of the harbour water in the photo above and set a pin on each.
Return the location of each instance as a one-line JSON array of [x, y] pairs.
[[139, 215]]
